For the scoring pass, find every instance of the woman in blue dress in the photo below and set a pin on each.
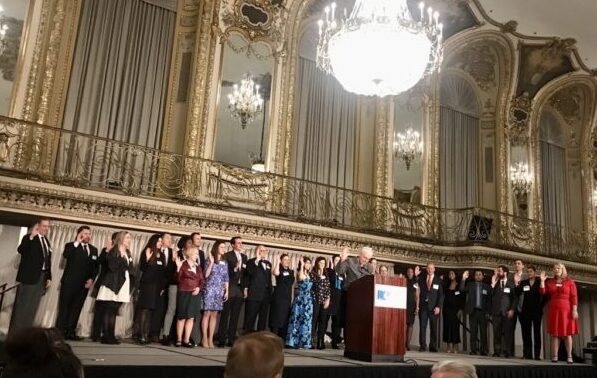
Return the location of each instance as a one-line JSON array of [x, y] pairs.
[[215, 292], [301, 315]]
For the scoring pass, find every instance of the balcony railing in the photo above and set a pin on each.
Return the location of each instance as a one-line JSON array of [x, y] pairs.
[[68, 158]]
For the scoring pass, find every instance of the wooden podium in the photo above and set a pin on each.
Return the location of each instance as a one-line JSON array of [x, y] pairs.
[[376, 319]]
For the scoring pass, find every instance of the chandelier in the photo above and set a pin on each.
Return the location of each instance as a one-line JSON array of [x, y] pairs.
[[520, 178], [381, 48], [408, 146], [3, 29], [245, 102]]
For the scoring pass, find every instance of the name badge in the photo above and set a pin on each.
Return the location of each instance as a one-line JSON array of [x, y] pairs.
[[559, 285], [341, 278], [130, 259], [507, 290], [244, 266], [484, 292], [416, 286], [222, 263], [526, 288], [160, 263], [457, 293], [93, 257], [285, 274], [436, 287], [322, 277]]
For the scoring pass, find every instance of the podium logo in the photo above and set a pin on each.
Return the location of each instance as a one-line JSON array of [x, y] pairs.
[[383, 295]]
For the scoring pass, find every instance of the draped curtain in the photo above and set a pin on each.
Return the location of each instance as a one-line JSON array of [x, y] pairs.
[[324, 128], [117, 89], [459, 135], [553, 171]]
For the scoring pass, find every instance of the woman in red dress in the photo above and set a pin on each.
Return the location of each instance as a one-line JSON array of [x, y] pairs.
[[562, 313]]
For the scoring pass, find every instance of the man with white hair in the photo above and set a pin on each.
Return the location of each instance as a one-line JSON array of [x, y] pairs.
[[453, 369], [351, 269]]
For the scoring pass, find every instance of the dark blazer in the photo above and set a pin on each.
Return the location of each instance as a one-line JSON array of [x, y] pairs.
[[116, 273], [432, 298], [336, 284], [79, 267], [153, 273], [32, 260], [171, 273], [236, 283], [103, 268], [533, 301], [258, 280], [468, 289], [503, 300]]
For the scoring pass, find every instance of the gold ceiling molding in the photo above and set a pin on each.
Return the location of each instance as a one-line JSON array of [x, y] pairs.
[[479, 62], [258, 19], [519, 119], [86, 206]]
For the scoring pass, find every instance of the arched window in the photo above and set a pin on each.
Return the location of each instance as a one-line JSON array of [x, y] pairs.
[[459, 136]]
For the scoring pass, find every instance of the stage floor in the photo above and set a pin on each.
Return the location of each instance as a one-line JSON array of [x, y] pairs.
[[155, 360]]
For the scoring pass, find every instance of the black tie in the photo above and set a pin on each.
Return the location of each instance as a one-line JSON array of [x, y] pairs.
[[44, 249], [85, 249]]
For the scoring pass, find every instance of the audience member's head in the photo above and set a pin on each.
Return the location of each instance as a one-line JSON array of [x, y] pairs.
[[40, 352], [384, 271], [257, 355], [453, 369], [365, 255]]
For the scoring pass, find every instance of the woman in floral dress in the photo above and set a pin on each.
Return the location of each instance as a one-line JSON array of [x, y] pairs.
[[301, 315], [215, 292]]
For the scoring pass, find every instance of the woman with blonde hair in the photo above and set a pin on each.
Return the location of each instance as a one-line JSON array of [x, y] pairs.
[[188, 301], [562, 312]]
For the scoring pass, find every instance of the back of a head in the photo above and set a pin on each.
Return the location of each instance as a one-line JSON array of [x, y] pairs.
[[40, 352], [257, 355], [453, 369]]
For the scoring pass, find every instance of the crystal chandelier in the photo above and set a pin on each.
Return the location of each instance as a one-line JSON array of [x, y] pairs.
[[520, 178], [408, 146], [245, 102], [381, 48], [3, 29]]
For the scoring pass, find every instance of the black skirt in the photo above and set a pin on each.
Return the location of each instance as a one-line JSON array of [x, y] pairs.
[[188, 306], [149, 294]]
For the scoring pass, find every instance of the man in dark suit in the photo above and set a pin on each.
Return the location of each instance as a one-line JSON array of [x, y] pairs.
[[430, 302], [530, 314], [503, 305], [34, 274], [81, 269], [237, 264], [478, 300], [257, 290]]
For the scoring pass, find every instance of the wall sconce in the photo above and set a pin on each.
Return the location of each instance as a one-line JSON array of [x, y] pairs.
[[408, 146], [520, 178]]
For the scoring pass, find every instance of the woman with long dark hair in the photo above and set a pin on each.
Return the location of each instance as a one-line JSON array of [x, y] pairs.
[[215, 292], [282, 297], [321, 300], [152, 264], [115, 288], [452, 304], [301, 315]]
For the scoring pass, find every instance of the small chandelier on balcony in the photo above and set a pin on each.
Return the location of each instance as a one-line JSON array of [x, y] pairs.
[[3, 29], [408, 146], [381, 48], [521, 178], [245, 102]]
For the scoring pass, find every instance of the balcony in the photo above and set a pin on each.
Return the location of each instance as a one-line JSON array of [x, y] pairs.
[[72, 160]]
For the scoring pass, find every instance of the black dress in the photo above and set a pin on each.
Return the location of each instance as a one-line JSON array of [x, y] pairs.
[[336, 292], [452, 303], [153, 281], [281, 300], [411, 302]]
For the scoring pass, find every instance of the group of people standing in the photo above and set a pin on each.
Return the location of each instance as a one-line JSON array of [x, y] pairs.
[[502, 300], [182, 290]]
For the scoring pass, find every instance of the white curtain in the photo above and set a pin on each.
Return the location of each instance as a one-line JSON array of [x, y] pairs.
[[325, 119], [459, 136], [120, 71], [553, 170]]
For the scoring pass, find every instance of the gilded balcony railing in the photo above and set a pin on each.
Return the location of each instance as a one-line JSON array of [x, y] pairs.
[[78, 160]]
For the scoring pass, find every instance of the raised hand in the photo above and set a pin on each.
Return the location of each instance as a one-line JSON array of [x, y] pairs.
[[148, 254], [465, 275], [344, 254], [417, 270], [108, 244], [543, 276], [494, 279], [34, 231]]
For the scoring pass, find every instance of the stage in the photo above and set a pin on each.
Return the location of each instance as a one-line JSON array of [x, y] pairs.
[[130, 360]]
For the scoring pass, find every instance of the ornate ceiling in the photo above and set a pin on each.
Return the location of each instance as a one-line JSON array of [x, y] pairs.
[[564, 19]]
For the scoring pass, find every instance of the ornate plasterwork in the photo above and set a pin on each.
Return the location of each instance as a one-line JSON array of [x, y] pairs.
[[519, 118], [259, 19], [22, 196], [568, 102], [479, 62]]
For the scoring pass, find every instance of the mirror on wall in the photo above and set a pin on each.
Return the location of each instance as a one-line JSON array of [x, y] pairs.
[[244, 107], [408, 146], [12, 23]]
